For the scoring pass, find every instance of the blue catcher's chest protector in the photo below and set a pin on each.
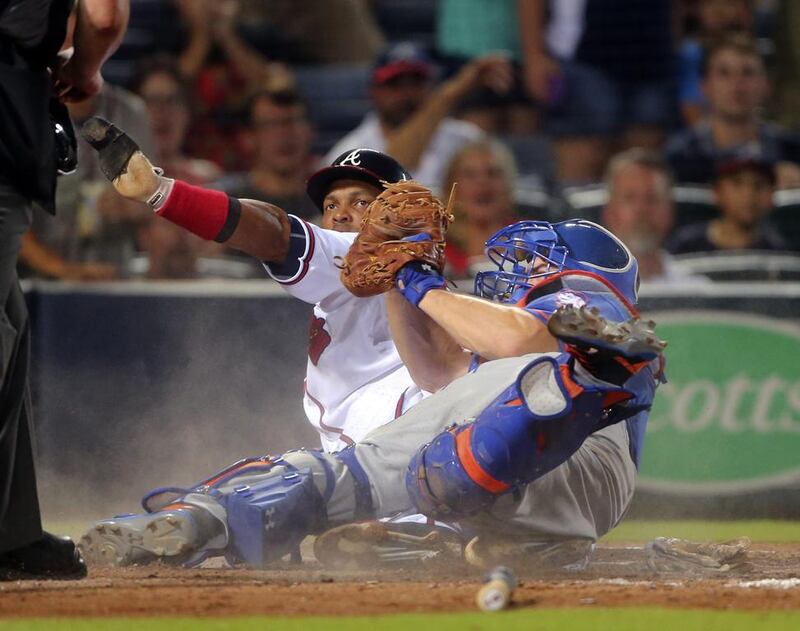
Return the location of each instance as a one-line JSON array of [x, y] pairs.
[[583, 288]]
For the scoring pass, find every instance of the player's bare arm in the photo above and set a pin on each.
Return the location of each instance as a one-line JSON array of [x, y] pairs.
[[490, 329], [253, 227], [436, 338], [431, 355]]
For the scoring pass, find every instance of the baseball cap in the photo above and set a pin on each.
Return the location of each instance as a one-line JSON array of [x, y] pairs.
[[399, 59], [363, 165], [754, 162]]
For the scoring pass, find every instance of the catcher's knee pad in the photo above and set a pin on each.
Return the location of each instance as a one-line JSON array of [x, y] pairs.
[[528, 430]]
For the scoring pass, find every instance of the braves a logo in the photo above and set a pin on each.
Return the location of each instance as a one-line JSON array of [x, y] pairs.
[[318, 339], [354, 158], [566, 298]]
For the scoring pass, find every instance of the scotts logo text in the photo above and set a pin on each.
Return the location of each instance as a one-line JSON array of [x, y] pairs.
[[729, 419]]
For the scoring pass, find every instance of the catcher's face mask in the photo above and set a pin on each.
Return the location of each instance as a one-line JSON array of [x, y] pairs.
[[529, 251]]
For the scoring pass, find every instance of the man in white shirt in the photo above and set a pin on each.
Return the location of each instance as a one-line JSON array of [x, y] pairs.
[[411, 119]]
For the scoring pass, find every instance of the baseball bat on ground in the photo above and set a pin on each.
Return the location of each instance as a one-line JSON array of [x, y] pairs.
[[498, 586]]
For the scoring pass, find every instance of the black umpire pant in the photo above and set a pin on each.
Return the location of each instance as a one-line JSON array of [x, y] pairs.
[[20, 522]]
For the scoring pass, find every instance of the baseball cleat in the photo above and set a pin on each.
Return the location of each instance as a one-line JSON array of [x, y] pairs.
[[668, 554], [610, 350], [369, 544], [140, 539], [568, 554]]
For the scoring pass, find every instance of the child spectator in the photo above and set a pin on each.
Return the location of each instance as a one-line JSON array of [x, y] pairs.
[[743, 192]]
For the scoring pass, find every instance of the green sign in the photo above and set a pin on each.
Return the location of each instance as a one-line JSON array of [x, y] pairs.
[[729, 418]]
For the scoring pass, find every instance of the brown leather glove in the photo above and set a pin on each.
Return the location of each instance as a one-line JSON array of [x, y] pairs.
[[404, 209]]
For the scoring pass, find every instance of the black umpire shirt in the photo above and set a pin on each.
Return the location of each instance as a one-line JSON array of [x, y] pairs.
[[31, 33]]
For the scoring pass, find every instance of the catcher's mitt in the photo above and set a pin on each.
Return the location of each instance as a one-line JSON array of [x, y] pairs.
[[668, 554], [402, 210]]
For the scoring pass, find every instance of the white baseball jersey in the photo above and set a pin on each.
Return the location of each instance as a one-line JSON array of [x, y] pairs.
[[355, 380]]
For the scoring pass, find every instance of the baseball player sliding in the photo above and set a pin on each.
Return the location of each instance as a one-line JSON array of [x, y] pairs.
[[355, 379], [534, 440]]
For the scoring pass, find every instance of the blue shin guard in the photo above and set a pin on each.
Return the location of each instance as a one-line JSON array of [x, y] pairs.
[[270, 504], [269, 519], [529, 429]]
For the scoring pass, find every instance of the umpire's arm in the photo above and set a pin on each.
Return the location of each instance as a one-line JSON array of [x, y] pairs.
[[99, 28]]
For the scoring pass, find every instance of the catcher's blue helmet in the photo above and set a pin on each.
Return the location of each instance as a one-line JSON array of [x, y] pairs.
[[530, 250]]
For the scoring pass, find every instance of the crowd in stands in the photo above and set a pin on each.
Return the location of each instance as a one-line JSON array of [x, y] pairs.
[[672, 122]]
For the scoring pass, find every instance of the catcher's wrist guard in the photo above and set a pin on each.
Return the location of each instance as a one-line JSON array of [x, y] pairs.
[[416, 279]]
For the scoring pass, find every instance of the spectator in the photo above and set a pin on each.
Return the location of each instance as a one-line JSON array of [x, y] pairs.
[[351, 34], [224, 70], [715, 19], [484, 173], [162, 87], [411, 119], [786, 66], [743, 192], [172, 253], [601, 68], [640, 212], [93, 234], [281, 135], [735, 86], [469, 29]]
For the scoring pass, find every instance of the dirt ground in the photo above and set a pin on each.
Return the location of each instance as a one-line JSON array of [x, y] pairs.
[[617, 576]]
